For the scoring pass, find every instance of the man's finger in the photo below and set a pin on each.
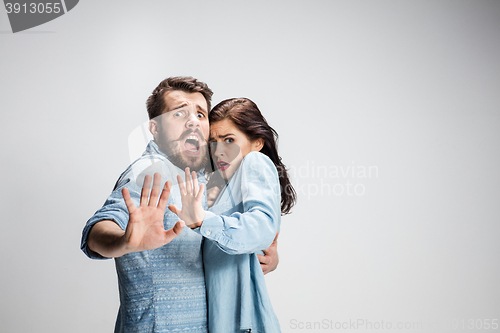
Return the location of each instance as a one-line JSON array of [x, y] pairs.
[[162, 204], [145, 190], [128, 201], [265, 269], [263, 259], [170, 234], [155, 192]]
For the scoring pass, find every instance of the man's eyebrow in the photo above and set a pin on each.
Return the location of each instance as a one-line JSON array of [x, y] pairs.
[[202, 109], [180, 106], [184, 104]]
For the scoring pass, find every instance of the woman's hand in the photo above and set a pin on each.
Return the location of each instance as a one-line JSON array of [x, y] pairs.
[[192, 212], [212, 195]]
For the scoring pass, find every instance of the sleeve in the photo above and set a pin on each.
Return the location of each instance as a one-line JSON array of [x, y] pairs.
[[114, 208], [255, 227]]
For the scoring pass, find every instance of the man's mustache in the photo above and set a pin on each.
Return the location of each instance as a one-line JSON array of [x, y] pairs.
[[189, 132]]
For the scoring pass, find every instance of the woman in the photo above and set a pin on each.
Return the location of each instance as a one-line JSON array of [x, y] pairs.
[[244, 218]]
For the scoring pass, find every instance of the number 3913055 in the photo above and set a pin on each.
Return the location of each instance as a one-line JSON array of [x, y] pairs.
[[33, 8]]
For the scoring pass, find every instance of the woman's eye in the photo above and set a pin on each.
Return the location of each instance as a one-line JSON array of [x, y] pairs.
[[229, 140]]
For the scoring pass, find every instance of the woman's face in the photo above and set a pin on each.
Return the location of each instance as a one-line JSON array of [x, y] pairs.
[[229, 146]]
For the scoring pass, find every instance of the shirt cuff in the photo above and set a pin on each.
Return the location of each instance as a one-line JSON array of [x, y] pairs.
[[212, 225]]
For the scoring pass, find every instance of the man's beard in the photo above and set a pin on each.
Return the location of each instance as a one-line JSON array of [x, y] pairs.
[[195, 163], [173, 150]]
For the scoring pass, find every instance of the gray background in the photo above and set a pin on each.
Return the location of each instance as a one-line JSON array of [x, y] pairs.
[[409, 88]]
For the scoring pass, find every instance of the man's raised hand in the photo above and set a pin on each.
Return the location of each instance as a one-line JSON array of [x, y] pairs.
[[145, 230]]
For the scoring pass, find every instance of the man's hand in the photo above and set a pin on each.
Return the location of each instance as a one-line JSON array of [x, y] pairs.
[[145, 230], [269, 261], [191, 195]]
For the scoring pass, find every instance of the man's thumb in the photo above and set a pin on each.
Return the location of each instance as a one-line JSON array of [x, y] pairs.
[[178, 227]]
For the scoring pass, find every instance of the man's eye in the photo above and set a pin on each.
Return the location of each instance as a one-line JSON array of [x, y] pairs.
[[229, 140], [201, 115], [178, 114]]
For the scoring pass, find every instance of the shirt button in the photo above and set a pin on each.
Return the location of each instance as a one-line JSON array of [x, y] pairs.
[[208, 232]]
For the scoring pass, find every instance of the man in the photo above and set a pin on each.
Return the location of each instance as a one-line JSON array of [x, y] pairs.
[[160, 272]]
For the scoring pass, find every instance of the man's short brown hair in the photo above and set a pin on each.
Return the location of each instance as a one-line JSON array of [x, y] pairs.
[[156, 103]]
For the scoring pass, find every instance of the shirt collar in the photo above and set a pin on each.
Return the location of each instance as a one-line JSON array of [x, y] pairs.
[[152, 148]]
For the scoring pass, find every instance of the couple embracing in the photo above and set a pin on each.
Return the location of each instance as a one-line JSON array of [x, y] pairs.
[[199, 265]]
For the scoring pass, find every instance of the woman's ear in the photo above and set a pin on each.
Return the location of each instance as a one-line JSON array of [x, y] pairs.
[[153, 128], [257, 144]]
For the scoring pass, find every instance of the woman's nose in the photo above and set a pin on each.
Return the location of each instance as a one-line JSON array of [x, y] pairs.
[[218, 149]]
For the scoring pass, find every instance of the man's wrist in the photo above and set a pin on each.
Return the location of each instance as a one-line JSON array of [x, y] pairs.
[[122, 246]]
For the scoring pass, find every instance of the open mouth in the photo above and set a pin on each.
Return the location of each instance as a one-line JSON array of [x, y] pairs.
[[192, 145], [223, 165]]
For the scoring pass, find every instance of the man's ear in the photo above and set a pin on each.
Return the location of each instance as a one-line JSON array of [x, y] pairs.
[[153, 128], [257, 144]]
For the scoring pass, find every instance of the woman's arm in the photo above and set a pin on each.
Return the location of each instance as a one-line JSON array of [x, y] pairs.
[[253, 225]]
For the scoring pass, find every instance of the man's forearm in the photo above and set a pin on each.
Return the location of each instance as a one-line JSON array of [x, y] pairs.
[[107, 239]]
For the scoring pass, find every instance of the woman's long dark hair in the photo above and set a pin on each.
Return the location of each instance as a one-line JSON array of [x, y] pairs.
[[247, 117]]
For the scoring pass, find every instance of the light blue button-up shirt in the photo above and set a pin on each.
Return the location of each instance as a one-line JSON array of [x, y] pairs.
[[161, 290], [243, 221]]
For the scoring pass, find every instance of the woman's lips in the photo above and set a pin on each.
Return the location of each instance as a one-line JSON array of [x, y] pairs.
[[223, 165]]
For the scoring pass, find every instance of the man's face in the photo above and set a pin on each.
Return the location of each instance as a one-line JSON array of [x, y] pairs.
[[181, 131]]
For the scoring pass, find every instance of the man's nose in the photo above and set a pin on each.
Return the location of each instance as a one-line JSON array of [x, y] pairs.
[[193, 121]]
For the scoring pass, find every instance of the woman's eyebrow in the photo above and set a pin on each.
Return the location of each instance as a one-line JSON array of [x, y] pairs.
[[217, 136]]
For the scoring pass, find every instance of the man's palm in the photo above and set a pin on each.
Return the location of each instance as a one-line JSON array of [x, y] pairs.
[[145, 230]]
